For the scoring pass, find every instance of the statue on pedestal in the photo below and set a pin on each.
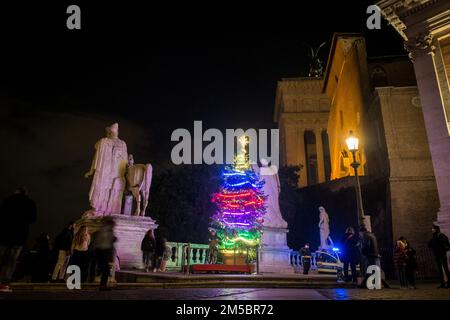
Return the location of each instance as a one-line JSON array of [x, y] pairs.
[[139, 180], [271, 189], [113, 171], [108, 167], [324, 227], [274, 254]]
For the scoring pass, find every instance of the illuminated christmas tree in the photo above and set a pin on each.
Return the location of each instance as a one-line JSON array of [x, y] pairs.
[[240, 205]]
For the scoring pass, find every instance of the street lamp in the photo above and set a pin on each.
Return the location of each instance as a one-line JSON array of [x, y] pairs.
[[352, 145]]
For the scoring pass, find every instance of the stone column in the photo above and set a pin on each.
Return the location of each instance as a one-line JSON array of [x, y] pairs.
[[320, 158], [426, 66], [302, 157]]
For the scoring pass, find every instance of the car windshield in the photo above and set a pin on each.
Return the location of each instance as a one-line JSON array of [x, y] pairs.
[[325, 257]]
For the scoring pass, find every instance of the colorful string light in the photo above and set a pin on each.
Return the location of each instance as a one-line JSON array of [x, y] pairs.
[[240, 204]]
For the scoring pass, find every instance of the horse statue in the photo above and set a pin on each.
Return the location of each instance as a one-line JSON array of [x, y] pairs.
[[139, 180]]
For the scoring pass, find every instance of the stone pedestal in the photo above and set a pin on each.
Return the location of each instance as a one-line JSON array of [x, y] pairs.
[[130, 231], [274, 255]]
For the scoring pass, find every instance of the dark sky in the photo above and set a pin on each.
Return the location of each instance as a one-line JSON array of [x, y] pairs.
[[152, 69]]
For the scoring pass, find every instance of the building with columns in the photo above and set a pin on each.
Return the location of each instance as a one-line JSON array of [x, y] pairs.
[[302, 111], [425, 28], [376, 98]]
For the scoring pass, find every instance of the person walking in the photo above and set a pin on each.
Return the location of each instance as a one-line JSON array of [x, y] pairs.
[[213, 249], [104, 251], [400, 259], [17, 212], [148, 247], [160, 248], [411, 264], [165, 256], [439, 244], [369, 252], [63, 247], [305, 254], [80, 254], [350, 254]]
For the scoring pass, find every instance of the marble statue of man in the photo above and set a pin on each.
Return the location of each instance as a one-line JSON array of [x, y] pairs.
[[324, 227], [108, 167], [271, 189]]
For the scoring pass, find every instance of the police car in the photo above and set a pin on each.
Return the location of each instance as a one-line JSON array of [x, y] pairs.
[[328, 261]]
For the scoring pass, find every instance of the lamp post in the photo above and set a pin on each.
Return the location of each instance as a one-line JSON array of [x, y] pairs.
[[352, 144]]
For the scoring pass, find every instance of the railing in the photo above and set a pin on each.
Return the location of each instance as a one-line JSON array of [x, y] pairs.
[[297, 263], [184, 254]]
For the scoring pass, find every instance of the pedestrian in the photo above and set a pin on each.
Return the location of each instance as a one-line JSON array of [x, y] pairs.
[[305, 253], [350, 254], [213, 247], [80, 254], [160, 249], [92, 259], [17, 212], [400, 259], [148, 247], [411, 264], [63, 247], [104, 250], [369, 252], [42, 262], [439, 244], [165, 256]]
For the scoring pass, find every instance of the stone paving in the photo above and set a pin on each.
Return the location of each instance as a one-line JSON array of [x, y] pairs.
[[425, 292]]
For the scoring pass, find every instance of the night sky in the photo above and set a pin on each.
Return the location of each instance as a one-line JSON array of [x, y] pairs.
[[150, 69]]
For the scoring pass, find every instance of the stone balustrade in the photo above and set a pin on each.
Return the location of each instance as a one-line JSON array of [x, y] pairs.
[[296, 260], [197, 254]]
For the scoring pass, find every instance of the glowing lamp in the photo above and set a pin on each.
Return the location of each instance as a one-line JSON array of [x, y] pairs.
[[352, 142]]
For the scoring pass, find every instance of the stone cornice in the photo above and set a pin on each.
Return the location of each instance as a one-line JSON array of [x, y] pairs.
[[301, 85], [395, 11]]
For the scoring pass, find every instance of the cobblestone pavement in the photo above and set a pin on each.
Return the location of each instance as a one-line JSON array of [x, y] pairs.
[[425, 292]]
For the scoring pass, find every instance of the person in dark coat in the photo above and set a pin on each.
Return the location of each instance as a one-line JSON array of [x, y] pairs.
[[439, 244], [350, 253], [17, 212], [92, 259], [148, 247], [305, 253], [63, 248], [160, 249], [411, 264], [369, 252], [400, 260], [104, 250]]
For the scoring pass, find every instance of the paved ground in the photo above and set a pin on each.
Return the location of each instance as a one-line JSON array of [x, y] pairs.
[[425, 292]]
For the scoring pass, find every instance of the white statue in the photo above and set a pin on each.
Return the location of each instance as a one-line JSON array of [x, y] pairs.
[[324, 227], [139, 179], [108, 168], [271, 189]]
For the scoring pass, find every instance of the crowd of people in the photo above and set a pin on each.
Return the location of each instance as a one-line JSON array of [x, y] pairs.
[[362, 250], [95, 255]]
